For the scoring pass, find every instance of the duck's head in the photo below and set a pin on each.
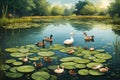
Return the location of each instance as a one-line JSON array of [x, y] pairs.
[[51, 36]]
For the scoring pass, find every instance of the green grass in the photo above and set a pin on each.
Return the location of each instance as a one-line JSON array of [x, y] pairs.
[[5, 21]]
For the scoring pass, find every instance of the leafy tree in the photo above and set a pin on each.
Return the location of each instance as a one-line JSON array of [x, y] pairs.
[[68, 12], [114, 8], [42, 7], [85, 8], [57, 10], [88, 9], [79, 6]]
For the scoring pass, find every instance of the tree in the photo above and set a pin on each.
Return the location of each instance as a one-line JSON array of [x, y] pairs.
[[114, 8], [42, 8], [88, 10], [57, 10], [68, 11], [85, 8]]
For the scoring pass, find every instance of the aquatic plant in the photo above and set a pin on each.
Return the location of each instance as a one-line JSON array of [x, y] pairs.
[[117, 49]]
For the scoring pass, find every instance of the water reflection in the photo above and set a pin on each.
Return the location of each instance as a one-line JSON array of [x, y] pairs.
[[103, 33], [117, 50]]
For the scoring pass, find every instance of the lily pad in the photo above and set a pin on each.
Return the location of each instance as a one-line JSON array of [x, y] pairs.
[[92, 64], [68, 65], [82, 61], [95, 72], [40, 74], [17, 63], [53, 77], [103, 56], [13, 69], [100, 50], [86, 52], [67, 59], [65, 50], [13, 75], [10, 61], [17, 54], [11, 49], [30, 46], [23, 50], [99, 60], [40, 78], [57, 47], [34, 58], [25, 68], [5, 67], [53, 67], [83, 72], [80, 66], [45, 54]]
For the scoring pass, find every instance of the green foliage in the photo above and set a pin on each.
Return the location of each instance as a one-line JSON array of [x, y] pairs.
[[88, 10], [85, 8], [57, 10], [117, 49], [1, 63], [41, 8], [114, 9]]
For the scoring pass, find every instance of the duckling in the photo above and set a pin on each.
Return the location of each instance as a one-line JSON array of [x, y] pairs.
[[38, 65], [49, 39], [97, 66], [72, 72], [71, 51], [59, 70], [104, 69], [88, 38], [47, 59], [25, 59], [92, 49], [42, 44]]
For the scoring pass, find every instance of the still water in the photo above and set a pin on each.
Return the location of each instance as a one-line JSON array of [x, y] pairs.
[[104, 36]]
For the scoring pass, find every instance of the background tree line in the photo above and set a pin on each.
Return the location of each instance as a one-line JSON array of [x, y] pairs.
[[43, 8]]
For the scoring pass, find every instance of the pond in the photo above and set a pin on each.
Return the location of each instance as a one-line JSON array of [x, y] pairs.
[[104, 36]]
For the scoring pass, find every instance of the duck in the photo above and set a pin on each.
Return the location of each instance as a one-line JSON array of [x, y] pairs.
[[69, 41], [105, 69], [97, 66], [59, 70], [88, 38], [49, 39], [71, 51], [38, 65], [42, 44], [72, 72], [47, 59], [25, 59], [92, 49]]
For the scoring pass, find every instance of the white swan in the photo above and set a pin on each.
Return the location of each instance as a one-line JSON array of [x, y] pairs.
[[69, 41], [59, 70]]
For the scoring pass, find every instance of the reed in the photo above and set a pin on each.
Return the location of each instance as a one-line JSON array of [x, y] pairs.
[[1, 63], [117, 49]]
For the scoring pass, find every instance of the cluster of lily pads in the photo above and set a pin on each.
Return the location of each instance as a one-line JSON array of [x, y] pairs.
[[82, 60]]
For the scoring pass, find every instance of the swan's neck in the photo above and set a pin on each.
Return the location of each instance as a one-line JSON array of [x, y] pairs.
[[72, 38]]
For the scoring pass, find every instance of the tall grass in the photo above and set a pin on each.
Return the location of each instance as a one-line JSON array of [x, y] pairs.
[[117, 49], [1, 63]]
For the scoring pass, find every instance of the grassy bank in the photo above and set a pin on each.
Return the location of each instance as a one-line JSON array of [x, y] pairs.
[[37, 20], [5, 21]]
